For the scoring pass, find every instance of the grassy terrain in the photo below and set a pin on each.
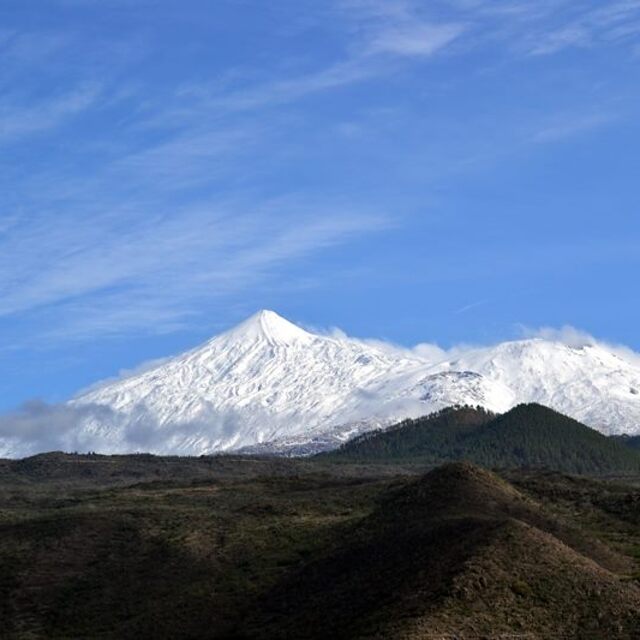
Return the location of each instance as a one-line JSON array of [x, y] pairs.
[[145, 547], [179, 556]]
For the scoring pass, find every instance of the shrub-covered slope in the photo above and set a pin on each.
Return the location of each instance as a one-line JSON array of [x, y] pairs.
[[237, 548], [457, 551]]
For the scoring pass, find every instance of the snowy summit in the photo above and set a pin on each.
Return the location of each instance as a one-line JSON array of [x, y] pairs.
[[269, 385]]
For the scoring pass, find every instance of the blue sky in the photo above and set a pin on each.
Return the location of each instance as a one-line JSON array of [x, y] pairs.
[[446, 171]]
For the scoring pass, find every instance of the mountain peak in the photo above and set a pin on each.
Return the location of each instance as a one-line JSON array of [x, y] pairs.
[[270, 326], [270, 381]]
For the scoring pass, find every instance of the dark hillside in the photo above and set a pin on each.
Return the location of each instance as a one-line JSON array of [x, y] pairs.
[[527, 436], [163, 548], [456, 550], [423, 438], [71, 469], [535, 436]]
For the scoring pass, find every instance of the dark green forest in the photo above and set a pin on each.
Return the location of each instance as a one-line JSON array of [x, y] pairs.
[[632, 442], [529, 435]]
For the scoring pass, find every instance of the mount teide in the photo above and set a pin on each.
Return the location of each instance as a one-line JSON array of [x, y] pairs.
[[269, 384]]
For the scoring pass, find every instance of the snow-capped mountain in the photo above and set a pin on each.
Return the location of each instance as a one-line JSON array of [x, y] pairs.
[[264, 380], [270, 384]]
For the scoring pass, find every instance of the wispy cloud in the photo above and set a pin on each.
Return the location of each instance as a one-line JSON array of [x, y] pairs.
[[582, 25], [19, 120], [105, 275], [28, 47], [415, 39], [571, 125], [469, 307], [153, 207], [375, 46], [398, 28], [542, 27], [574, 337], [566, 334], [571, 36], [340, 74], [156, 229]]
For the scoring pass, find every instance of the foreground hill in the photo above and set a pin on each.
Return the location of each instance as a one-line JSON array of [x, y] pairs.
[[271, 386], [458, 550], [527, 436], [146, 547]]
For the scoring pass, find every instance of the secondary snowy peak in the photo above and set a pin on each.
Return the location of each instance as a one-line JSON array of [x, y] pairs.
[[269, 383], [588, 382]]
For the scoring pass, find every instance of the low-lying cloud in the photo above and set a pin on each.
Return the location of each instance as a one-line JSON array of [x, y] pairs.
[[37, 427]]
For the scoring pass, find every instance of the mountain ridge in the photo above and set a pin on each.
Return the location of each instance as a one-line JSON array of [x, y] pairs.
[[269, 386]]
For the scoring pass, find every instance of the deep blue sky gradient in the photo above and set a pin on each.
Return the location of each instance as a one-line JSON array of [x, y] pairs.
[[455, 171]]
